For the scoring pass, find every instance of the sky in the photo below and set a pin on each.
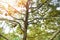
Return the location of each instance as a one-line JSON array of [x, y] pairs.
[[56, 2]]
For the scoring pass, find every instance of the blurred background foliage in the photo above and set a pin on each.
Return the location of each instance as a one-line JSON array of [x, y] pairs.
[[43, 22]]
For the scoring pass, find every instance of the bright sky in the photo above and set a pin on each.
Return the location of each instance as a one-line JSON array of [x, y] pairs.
[[6, 28], [5, 3], [58, 8]]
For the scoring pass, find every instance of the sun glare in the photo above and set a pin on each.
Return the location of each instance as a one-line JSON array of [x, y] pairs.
[[15, 5], [21, 2], [11, 7]]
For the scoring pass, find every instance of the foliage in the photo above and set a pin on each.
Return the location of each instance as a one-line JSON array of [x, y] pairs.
[[43, 20]]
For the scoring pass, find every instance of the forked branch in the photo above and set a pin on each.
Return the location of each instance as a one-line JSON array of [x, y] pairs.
[[2, 19]]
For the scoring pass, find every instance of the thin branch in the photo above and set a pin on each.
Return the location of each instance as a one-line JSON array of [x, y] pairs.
[[2, 19], [3, 37], [32, 7], [14, 8], [16, 18], [55, 34], [41, 19], [40, 5]]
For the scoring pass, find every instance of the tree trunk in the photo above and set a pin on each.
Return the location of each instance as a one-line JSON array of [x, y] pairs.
[[26, 22]]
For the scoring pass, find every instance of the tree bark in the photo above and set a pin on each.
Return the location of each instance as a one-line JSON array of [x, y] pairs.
[[26, 21]]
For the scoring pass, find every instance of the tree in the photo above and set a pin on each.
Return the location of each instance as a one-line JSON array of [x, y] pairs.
[[39, 17]]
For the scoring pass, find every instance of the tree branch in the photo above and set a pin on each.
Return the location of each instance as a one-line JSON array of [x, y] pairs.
[[31, 22], [17, 18], [40, 5], [3, 37], [14, 8], [55, 34], [2, 19]]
